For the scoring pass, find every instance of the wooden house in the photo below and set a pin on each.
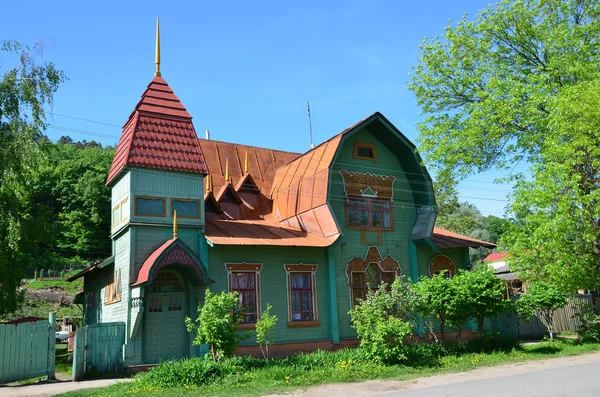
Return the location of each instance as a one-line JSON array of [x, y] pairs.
[[306, 233]]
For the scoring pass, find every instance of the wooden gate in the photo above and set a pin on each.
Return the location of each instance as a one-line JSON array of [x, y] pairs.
[[98, 349], [27, 350]]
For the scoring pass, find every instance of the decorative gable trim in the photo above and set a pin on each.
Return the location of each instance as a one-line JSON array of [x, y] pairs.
[[247, 184], [367, 184], [209, 199], [387, 264], [228, 189]]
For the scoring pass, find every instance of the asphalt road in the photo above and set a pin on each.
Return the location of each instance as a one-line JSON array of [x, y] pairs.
[[581, 380]]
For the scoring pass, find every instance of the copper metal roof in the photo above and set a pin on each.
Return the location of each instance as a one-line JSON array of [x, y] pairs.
[[447, 239]]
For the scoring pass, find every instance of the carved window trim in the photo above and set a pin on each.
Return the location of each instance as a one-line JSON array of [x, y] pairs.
[[113, 292], [364, 145], [254, 268], [435, 268], [312, 270]]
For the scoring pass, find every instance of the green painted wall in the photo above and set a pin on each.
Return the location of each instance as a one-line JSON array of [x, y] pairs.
[[273, 283]]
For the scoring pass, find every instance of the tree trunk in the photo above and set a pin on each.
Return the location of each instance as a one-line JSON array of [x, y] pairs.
[[442, 328], [480, 322]]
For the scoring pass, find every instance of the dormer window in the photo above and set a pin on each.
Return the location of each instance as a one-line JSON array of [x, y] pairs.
[[365, 151]]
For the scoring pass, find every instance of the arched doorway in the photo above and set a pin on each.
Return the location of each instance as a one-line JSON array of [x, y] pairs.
[[165, 331]]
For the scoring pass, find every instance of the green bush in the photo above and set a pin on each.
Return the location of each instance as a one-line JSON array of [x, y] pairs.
[[265, 331], [544, 298], [589, 328], [385, 319]]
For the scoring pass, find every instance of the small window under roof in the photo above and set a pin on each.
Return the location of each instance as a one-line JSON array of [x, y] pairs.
[[365, 151]]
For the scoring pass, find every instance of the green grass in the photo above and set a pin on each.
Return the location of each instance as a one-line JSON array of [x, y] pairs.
[[61, 365], [253, 377], [69, 287]]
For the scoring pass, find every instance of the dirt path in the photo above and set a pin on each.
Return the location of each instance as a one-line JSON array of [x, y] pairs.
[[46, 388], [375, 387]]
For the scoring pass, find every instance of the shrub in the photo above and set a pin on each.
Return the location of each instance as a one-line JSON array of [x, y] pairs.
[[545, 298], [385, 319], [479, 294], [589, 327], [265, 331], [217, 324]]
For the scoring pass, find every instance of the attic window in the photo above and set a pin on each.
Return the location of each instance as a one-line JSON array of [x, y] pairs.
[[365, 151]]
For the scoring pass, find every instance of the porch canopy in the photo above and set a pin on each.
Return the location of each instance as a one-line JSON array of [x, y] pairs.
[[176, 254]]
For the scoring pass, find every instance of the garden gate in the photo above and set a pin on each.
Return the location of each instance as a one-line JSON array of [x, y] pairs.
[[98, 349]]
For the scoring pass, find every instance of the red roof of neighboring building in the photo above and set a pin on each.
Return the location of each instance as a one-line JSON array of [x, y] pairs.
[[159, 134], [496, 256]]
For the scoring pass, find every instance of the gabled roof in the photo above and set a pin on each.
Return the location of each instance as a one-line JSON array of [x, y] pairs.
[[496, 256], [159, 134]]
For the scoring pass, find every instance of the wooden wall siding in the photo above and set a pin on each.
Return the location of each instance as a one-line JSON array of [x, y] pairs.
[[149, 238], [147, 182], [121, 189], [274, 284], [393, 242], [118, 311], [24, 350]]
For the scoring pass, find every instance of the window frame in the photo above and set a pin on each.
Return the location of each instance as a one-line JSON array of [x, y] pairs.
[[121, 218], [436, 270], [135, 209], [364, 145], [369, 201], [187, 200], [246, 268], [365, 288], [312, 271], [113, 292]]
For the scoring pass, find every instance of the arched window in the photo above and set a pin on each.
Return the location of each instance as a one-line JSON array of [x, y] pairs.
[[370, 279], [441, 263]]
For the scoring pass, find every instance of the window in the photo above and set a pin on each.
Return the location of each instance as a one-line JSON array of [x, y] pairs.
[[150, 206], [302, 300], [366, 212], [365, 151], [112, 292], [370, 279], [245, 284], [166, 281], [120, 213], [245, 279], [186, 208], [441, 263]]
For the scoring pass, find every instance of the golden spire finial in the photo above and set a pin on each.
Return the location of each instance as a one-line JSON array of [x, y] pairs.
[[227, 171], [157, 54], [246, 163], [175, 224], [208, 187]]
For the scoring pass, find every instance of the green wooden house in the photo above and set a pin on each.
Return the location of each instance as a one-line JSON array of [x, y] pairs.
[[306, 233]]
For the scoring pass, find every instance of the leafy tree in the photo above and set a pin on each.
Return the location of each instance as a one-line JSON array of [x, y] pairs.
[[385, 319], [217, 324], [25, 90], [496, 227], [437, 294], [265, 331], [544, 298], [557, 238], [479, 294]]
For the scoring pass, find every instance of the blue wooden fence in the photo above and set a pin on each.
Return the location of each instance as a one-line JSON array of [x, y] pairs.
[[98, 349], [27, 350]]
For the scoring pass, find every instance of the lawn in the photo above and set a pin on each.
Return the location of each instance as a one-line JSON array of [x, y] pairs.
[[252, 377]]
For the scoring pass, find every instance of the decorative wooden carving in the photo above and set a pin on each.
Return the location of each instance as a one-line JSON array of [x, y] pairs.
[[254, 267], [387, 264], [441, 262], [356, 183], [301, 268]]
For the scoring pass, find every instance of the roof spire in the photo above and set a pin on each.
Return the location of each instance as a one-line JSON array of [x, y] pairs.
[[157, 53], [175, 224], [246, 163], [227, 171], [208, 180]]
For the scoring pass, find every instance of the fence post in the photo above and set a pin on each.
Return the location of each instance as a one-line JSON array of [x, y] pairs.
[[51, 345], [78, 354]]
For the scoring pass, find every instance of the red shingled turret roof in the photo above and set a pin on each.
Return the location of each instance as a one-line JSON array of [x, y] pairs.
[[159, 134]]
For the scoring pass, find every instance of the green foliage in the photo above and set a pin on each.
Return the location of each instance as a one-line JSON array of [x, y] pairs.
[[479, 294], [217, 324], [385, 319], [265, 330], [589, 324], [544, 298], [439, 299], [25, 90]]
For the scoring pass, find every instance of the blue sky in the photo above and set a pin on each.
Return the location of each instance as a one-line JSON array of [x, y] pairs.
[[243, 69]]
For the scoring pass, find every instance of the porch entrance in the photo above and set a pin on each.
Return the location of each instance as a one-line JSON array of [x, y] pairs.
[[165, 336]]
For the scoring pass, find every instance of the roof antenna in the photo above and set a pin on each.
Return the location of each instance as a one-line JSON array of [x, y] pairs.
[[312, 145]]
